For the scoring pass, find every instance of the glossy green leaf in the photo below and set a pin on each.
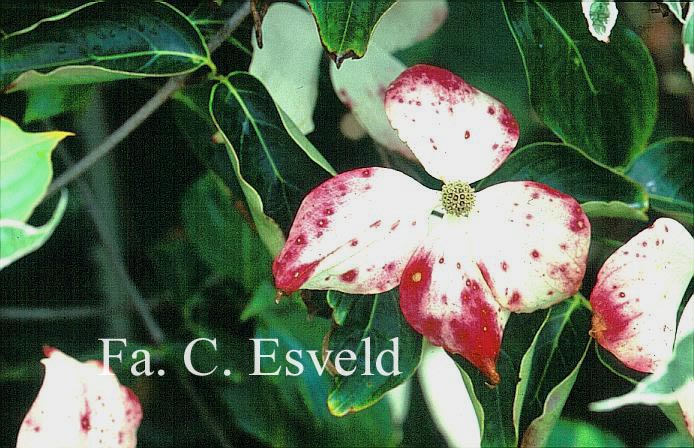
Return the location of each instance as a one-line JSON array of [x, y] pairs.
[[602, 191], [549, 369], [55, 100], [222, 238], [538, 363], [25, 168], [102, 41], [569, 434], [665, 171], [495, 404], [600, 98], [18, 239], [305, 395], [377, 317], [265, 148], [345, 26], [193, 120]]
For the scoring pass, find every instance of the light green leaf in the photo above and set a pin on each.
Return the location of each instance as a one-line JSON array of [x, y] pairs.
[[665, 171], [600, 98], [601, 16], [18, 239], [345, 26], [291, 80], [55, 100], [570, 434], [265, 148], [102, 41], [377, 317], [663, 385], [221, 237], [25, 168]]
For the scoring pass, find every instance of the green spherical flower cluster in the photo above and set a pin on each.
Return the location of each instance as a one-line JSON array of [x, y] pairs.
[[458, 198]]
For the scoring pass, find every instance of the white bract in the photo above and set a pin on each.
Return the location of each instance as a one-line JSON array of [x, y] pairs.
[[636, 298], [80, 407], [513, 247]]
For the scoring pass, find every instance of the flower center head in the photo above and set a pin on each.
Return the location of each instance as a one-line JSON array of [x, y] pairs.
[[458, 198]]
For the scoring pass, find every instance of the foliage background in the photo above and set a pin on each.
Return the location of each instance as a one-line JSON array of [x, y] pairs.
[[141, 189]]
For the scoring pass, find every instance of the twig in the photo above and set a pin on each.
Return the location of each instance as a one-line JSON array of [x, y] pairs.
[[49, 314], [153, 328], [159, 98]]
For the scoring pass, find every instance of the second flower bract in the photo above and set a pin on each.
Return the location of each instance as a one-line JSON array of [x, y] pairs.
[[513, 247]]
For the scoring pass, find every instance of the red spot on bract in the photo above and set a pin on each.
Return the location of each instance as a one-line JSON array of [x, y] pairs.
[[509, 124], [367, 172], [48, 350], [535, 254], [375, 224], [467, 135], [85, 423], [563, 246], [490, 110], [328, 211], [395, 225], [644, 244], [495, 146], [349, 276], [485, 275], [504, 266], [529, 216], [354, 243], [322, 222], [515, 298]]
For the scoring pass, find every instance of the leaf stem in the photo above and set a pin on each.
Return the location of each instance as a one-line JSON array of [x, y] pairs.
[[132, 123]]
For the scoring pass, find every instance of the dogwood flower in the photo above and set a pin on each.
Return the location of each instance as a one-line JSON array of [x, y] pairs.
[[636, 298], [513, 247], [79, 406]]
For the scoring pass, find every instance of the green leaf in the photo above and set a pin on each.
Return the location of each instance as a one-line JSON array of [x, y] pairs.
[[601, 190], [663, 385], [671, 440], [25, 168], [569, 434], [665, 171], [221, 237], [600, 98], [495, 405], [345, 26], [18, 239], [265, 148], [549, 369], [55, 100], [102, 41], [192, 117], [305, 395], [377, 317], [671, 410]]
